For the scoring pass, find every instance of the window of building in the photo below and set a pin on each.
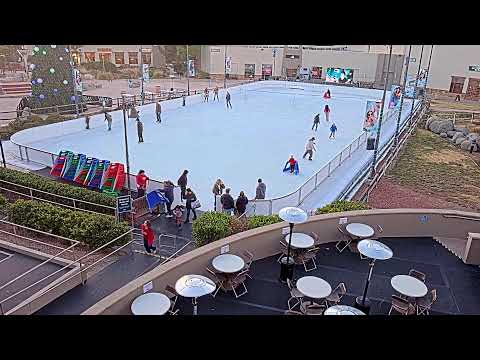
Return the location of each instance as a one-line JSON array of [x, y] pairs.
[[147, 58], [456, 85], [288, 56], [89, 57], [133, 58], [119, 58], [249, 70], [105, 57]]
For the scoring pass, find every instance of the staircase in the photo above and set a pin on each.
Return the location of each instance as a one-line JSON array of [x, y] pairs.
[[454, 245], [15, 89]]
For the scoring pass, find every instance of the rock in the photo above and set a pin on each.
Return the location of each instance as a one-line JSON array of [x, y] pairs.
[[435, 126], [463, 130], [459, 140], [472, 136], [443, 135], [451, 133], [446, 125], [429, 121], [456, 136], [465, 145]]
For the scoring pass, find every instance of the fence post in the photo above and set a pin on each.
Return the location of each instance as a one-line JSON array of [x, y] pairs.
[[31, 193], [330, 163], [270, 207], [316, 176], [26, 154], [299, 196], [350, 150], [20, 151], [74, 204]]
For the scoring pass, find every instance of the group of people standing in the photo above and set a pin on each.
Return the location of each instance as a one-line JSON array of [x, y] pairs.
[[239, 206]]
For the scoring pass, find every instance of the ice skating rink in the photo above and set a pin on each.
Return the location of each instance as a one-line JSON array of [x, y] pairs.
[[268, 122]]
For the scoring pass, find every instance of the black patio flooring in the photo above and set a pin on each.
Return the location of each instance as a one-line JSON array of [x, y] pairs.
[[457, 284]]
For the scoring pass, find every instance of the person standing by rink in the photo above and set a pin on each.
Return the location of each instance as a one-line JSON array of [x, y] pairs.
[[168, 191], [182, 182], [108, 119], [158, 111], [316, 121], [87, 121], [326, 110], [139, 130], [333, 130], [228, 97], [217, 190], [148, 237], [142, 183], [215, 94], [190, 197], [261, 190], [310, 148], [228, 204], [241, 204]]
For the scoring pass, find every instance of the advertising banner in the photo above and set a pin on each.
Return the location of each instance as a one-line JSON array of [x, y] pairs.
[[267, 70], [422, 78], [191, 68], [228, 64], [339, 76], [146, 75], [372, 112], [78, 80], [316, 72], [395, 96]]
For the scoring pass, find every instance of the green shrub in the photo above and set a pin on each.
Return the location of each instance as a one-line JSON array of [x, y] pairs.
[[100, 66], [26, 123], [210, 226], [262, 220], [3, 205], [44, 184], [202, 75], [91, 229], [342, 205], [104, 75]]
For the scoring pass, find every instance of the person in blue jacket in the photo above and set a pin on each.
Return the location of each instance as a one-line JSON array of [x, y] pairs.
[[333, 130]]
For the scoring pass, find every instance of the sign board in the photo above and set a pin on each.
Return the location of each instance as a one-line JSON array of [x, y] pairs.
[[214, 50], [285, 230], [145, 72], [424, 219], [124, 204], [224, 249], [474, 68], [342, 221], [147, 287]]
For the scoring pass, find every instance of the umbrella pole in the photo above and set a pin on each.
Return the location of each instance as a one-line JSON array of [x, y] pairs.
[[372, 263], [194, 306]]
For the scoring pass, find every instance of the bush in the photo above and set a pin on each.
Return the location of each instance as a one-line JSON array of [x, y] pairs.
[[202, 75], [104, 75], [262, 220], [3, 205], [44, 184], [210, 226], [27, 123], [342, 205], [99, 66], [91, 229]]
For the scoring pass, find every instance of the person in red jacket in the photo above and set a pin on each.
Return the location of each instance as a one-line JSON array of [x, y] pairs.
[[148, 236], [292, 163], [142, 181], [327, 94], [326, 110]]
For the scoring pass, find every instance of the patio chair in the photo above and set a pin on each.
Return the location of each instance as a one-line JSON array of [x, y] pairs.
[[295, 294], [425, 303], [284, 250], [401, 306], [378, 232], [248, 257], [292, 312], [344, 239], [219, 280], [309, 255], [313, 309], [239, 280], [171, 293], [418, 275], [336, 295], [316, 238]]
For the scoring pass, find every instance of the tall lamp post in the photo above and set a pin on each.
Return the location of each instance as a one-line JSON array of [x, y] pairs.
[[188, 75], [415, 88], [225, 69], [3, 154], [74, 79], [428, 70], [293, 216], [142, 95], [377, 139], [127, 160], [402, 96]]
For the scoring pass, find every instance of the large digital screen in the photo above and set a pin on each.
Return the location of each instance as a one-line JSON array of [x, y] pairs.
[[316, 72], [339, 76]]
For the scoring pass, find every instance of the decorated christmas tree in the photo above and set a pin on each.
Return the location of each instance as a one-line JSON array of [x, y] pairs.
[[52, 77]]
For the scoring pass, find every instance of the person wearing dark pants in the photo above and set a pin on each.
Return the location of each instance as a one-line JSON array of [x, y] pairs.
[[182, 182], [228, 204], [227, 98], [140, 130], [190, 198], [158, 111], [87, 121], [168, 190], [148, 237], [316, 121]]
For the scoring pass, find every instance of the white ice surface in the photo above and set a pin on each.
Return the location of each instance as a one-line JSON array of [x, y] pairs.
[[268, 122]]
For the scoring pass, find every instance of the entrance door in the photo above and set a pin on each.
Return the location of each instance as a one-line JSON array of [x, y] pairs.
[[473, 89], [456, 85]]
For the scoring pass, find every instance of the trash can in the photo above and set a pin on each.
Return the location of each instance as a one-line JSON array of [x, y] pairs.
[[286, 269], [370, 143], [362, 307]]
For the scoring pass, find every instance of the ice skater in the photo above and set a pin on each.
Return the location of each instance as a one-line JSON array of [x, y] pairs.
[[333, 130], [182, 182], [148, 237], [133, 113], [142, 182], [327, 94], [227, 98], [206, 94], [139, 130], [178, 213], [108, 119], [158, 111], [310, 148], [326, 110], [215, 94], [316, 121], [183, 99], [87, 121], [291, 162]]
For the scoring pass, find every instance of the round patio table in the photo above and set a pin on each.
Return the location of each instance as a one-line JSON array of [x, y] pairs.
[[151, 304], [409, 286], [360, 230], [314, 287], [300, 240], [342, 310], [194, 286], [228, 263]]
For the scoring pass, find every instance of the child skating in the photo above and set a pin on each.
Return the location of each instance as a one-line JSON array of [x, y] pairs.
[[326, 110], [316, 121], [327, 94], [333, 130], [206, 95], [291, 165], [215, 94]]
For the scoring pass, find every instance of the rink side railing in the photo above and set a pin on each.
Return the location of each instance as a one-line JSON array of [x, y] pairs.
[[296, 198]]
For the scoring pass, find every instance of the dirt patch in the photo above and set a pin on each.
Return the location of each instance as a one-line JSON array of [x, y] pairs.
[[444, 157]]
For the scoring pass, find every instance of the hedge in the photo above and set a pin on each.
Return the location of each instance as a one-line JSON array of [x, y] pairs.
[[342, 205], [91, 229], [212, 226], [26, 123], [52, 186]]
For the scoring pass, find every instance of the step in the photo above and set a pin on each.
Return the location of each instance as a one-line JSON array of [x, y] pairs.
[[454, 245]]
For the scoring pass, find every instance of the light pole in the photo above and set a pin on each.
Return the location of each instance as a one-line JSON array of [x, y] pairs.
[[142, 96], [188, 75], [377, 139], [415, 88], [274, 60], [3, 155], [225, 69], [428, 70], [127, 160], [74, 80], [403, 96]]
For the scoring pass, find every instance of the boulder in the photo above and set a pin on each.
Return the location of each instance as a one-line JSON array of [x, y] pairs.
[[429, 120], [463, 130], [456, 136], [446, 125], [459, 140], [472, 136], [451, 133], [443, 135], [465, 145], [435, 126]]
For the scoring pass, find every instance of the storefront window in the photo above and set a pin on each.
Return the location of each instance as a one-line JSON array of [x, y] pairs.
[[89, 57], [119, 58], [249, 70], [147, 58], [105, 57], [133, 58]]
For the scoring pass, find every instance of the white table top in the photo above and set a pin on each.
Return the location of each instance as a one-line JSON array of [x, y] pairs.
[[194, 286], [342, 310], [409, 286], [151, 304], [314, 287], [300, 240], [360, 230], [228, 263]]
